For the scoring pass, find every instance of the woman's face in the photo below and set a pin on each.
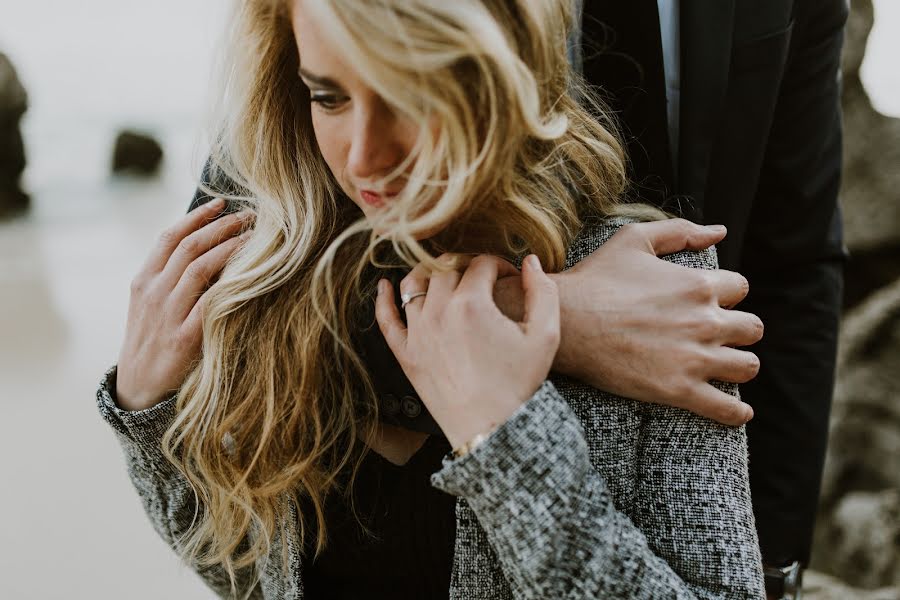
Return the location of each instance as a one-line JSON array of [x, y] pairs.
[[360, 137]]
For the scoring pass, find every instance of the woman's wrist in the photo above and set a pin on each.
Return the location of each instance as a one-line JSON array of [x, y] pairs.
[[480, 418], [474, 442]]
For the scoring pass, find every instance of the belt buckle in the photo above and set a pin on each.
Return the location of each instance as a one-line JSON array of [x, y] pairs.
[[785, 583]]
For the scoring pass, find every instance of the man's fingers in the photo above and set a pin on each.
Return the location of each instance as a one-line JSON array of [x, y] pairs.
[[741, 328], [388, 316], [672, 235], [734, 366], [541, 301], [713, 403], [729, 287]]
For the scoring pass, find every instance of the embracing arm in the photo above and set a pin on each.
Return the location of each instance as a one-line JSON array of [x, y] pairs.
[[166, 495], [553, 524], [614, 336], [651, 330]]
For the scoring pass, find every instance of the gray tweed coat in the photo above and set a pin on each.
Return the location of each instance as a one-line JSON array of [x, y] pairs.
[[580, 494]]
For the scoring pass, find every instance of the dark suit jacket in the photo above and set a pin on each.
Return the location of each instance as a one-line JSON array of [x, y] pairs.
[[760, 152]]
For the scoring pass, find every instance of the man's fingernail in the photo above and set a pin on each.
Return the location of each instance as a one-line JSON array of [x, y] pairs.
[[717, 228]]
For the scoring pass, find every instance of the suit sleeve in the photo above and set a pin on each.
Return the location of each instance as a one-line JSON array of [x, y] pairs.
[[166, 495], [793, 257]]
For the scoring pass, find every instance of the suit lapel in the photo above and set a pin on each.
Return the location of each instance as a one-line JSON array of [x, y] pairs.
[[706, 36]]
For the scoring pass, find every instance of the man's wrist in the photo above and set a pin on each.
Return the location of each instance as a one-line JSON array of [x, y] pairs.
[[564, 362]]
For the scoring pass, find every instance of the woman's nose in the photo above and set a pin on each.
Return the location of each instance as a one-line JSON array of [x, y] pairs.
[[376, 147]]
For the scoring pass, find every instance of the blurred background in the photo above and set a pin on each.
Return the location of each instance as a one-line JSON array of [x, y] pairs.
[[70, 524]]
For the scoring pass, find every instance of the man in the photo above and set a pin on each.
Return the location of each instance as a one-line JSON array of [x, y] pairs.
[[731, 113]]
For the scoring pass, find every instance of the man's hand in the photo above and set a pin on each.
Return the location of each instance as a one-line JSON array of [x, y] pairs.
[[644, 328]]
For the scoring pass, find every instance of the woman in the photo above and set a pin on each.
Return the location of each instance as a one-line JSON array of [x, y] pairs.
[[452, 127]]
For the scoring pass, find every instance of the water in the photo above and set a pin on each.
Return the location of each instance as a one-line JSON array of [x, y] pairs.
[[71, 524]]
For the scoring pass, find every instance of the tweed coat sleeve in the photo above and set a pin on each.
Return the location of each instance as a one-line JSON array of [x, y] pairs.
[[166, 495], [687, 530]]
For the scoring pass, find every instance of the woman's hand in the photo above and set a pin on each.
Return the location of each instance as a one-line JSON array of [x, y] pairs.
[[164, 331], [471, 365]]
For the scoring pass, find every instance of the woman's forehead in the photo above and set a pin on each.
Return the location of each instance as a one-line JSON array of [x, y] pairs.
[[319, 56]]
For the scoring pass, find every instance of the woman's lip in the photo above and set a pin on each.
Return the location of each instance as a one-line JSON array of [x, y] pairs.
[[371, 198], [374, 198]]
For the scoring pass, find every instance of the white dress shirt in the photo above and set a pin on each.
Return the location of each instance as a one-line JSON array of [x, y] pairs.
[[670, 29]]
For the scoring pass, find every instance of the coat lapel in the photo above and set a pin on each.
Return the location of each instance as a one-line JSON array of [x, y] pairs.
[[706, 36]]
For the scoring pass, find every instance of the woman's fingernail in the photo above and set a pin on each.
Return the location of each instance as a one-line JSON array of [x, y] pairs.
[[717, 228], [215, 204], [381, 285], [534, 262]]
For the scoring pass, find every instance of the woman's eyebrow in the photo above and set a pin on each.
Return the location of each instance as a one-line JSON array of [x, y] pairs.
[[318, 80]]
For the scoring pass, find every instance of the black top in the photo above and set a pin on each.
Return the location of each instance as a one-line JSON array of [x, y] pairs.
[[413, 522]]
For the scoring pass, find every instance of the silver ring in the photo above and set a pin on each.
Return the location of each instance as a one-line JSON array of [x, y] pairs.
[[407, 298]]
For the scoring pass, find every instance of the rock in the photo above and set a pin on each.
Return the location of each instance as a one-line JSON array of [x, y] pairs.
[[818, 586], [858, 527], [864, 440], [870, 192], [13, 103], [137, 153], [13, 99], [860, 541]]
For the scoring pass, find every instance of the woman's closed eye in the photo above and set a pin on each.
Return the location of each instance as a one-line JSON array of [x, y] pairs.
[[328, 101]]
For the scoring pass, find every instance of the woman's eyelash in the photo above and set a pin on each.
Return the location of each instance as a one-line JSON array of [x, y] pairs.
[[327, 101]]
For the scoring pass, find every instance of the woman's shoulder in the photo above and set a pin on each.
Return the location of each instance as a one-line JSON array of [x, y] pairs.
[[596, 231]]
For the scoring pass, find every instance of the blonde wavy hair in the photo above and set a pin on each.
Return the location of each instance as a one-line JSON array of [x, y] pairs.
[[280, 404]]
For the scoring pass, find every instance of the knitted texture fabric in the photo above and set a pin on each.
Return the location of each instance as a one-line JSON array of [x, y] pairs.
[[580, 494]]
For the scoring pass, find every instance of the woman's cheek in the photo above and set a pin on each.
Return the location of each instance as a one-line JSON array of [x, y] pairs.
[[328, 144]]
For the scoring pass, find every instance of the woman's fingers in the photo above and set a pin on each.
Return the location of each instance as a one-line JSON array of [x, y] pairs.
[[415, 282], [200, 275], [388, 316], [541, 302], [200, 242], [171, 237], [483, 272], [442, 284]]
